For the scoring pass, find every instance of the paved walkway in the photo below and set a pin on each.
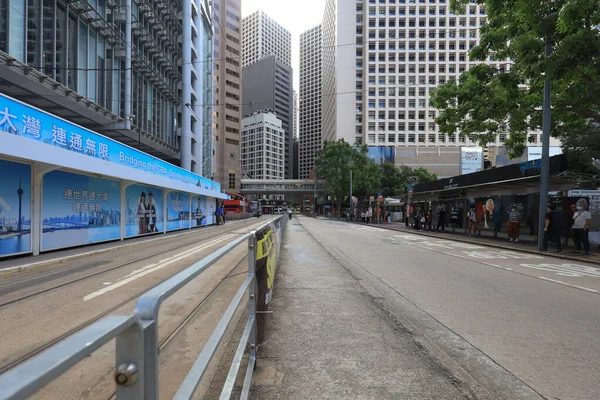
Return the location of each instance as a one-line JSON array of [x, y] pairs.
[[329, 339], [526, 243]]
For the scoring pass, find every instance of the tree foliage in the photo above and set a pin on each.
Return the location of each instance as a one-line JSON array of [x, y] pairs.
[[487, 99], [334, 163], [394, 180]]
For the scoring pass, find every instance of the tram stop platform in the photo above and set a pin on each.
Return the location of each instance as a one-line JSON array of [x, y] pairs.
[[329, 338]]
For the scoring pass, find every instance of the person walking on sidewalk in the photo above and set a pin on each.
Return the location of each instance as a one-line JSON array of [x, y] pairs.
[[497, 219], [514, 224], [441, 223], [553, 228], [454, 219], [581, 225]]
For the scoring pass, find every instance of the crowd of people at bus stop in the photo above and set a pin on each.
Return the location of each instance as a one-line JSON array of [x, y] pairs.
[[555, 224]]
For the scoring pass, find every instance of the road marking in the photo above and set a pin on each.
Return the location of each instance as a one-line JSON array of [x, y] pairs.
[[573, 270], [154, 267], [500, 254], [497, 266], [568, 284], [106, 283]]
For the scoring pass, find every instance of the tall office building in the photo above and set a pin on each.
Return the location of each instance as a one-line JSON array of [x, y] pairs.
[[295, 112], [228, 93], [263, 36], [113, 67], [263, 141], [268, 75], [311, 51], [381, 61], [268, 84]]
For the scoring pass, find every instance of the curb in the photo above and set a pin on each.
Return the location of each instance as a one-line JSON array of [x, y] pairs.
[[59, 260], [491, 244]]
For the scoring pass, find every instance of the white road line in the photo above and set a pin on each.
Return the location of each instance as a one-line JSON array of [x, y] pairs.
[[153, 268], [568, 284], [497, 266]]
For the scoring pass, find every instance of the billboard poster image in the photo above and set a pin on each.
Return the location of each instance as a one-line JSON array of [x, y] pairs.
[[144, 210], [79, 209], [178, 211], [199, 211], [15, 208]]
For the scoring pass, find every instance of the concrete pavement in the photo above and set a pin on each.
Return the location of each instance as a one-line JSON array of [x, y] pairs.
[[328, 338], [504, 324]]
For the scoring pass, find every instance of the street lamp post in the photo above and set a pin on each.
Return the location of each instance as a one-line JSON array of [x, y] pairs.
[[545, 170], [351, 202]]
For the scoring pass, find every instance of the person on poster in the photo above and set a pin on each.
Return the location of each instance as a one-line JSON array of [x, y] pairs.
[[141, 215], [198, 214], [151, 214]]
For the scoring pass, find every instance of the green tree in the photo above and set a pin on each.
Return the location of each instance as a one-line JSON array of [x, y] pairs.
[[488, 101], [394, 180], [334, 163]]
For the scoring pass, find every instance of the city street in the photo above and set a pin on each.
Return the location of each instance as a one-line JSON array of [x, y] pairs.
[[506, 323], [42, 306]]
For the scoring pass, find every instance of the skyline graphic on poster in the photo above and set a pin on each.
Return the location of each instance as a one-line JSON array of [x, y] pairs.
[[79, 209], [144, 210], [15, 208], [178, 211], [199, 217]]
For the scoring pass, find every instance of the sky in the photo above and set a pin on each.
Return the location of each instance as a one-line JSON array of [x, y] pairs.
[[296, 16]]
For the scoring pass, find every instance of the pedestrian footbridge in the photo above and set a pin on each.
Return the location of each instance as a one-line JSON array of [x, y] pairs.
[[282, 186]]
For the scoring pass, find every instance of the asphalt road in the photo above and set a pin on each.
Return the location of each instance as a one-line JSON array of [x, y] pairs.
[[43, 304], [510, 324]]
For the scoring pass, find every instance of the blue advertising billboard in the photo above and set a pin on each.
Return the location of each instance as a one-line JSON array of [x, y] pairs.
[[144, 210], [15, 208], [381, 154], [199, 211], [79, 209], [178, 210], [20, 119]]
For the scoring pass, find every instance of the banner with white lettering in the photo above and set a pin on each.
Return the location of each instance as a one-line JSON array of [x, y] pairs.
[[79, 209]]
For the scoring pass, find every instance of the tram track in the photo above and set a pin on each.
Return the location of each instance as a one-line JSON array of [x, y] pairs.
[[22, 359], [123, 265]]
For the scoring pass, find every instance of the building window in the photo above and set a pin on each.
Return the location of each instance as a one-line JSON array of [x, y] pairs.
[[232, 181]]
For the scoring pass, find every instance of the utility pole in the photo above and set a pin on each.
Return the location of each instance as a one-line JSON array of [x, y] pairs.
[[351, 202], [545, 171]]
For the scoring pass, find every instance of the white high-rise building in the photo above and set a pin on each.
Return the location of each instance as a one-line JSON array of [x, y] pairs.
[[311, 50], [381, 61], [263, 36], [263, 141]]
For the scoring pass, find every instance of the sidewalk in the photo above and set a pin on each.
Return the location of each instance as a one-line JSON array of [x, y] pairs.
[[526, 243], [328, 339]]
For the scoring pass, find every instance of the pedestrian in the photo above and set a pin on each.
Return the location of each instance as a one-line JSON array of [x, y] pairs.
[[429, 220], [218, 215], [497, 219], [362, 217], [441, 220], [473, 223], [514, 224], [223, 213], [347, 216], [553, 228], [455, 219], [581, 225], [289, 213]]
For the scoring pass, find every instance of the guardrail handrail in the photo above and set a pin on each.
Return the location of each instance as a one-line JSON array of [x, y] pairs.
[[36, 373], [136, 371]]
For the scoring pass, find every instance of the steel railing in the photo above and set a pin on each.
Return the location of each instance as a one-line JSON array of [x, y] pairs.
[[137, 347]]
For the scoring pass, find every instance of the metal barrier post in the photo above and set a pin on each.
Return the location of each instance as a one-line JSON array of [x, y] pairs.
[[129, 372], [150, 345], [252, 291]]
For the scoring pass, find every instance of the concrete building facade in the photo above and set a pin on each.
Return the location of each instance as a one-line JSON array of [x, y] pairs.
[[263, 143], [263, 36], [382, 60], [77, 61], [228, 92], [311, 56], [268, 83]]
